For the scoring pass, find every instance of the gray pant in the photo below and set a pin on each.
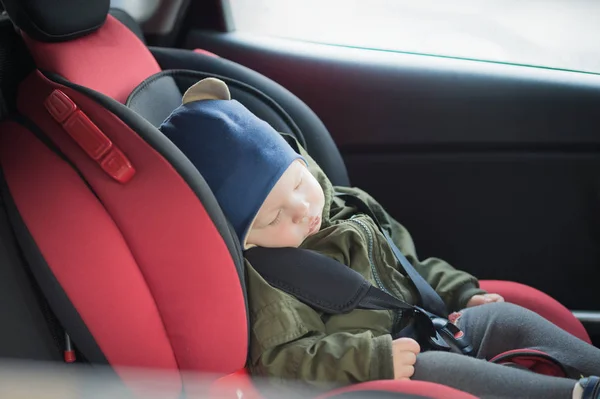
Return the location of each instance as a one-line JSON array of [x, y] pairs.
[[499, 327]]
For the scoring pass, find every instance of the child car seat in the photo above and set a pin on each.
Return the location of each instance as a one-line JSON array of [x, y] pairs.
[[158, 92], [125, 240], [134, 285]]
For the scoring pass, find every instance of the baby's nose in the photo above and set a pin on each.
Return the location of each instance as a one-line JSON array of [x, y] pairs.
[[301, 214]]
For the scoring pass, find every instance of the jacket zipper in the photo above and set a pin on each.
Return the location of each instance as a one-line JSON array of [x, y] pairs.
[[365, 228]]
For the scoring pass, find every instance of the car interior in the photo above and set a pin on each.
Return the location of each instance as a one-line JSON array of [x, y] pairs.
[[114, 251]]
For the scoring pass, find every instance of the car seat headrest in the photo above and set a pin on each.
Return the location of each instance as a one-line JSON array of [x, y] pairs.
[[57, 20], [111, 60]]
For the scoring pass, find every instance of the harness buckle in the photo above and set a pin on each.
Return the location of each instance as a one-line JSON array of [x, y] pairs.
[[442, 334]]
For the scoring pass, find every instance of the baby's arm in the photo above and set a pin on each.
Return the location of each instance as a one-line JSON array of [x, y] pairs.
[[456, 287], [324, 360], [292, 341]]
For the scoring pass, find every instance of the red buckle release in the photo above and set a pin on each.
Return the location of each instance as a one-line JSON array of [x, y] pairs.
[[70, 357], [118, 166], [59, 106], [69, 353], [89, 136]]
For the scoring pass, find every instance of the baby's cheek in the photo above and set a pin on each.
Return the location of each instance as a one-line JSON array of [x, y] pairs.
[[295, 237], [279, 237]]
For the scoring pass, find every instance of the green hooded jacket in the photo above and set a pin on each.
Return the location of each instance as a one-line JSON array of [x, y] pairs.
[[291, 341]]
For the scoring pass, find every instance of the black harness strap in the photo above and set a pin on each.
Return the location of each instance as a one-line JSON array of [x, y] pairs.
[[319, 281]]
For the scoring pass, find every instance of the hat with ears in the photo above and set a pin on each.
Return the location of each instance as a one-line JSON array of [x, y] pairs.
[[240, 156]]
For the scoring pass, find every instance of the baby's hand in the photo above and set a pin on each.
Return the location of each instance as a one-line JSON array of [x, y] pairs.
[[477, 300], [404, 352]]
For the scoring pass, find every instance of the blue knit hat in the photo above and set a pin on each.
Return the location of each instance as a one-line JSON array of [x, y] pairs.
[[240, 156]]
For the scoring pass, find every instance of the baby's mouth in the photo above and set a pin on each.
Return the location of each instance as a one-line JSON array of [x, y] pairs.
[[314, 225]]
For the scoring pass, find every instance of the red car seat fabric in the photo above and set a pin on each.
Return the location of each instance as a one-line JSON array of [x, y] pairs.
[[241, 382], [536, 361], [124, 259], [83, 255]]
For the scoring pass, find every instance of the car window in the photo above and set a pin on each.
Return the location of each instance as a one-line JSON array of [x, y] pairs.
[[548, 33]]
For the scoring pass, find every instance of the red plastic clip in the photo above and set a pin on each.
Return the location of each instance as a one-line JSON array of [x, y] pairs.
[[69, 352], [89, 136]]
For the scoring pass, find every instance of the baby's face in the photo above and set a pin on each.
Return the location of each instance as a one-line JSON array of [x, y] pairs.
[[291, 212]]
